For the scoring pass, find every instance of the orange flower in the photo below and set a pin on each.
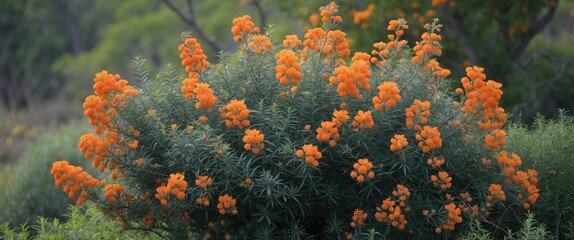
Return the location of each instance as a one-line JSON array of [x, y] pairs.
[[253, 140], [495, 139], [443, 180], [260, 44], [288, 68], [453, 217], [435, 162], [202, 201], [236, 113], [402, 193], [359, 218], [428, 47], [311, 154], [243, 26], [113, 192], [496, 193], [331, 45], [188, 85], [226, 205], [363, 120], [362, 169], [74, 179], [351, 79], [328, 132], [388, 95], [417, 113], [340, 117], [292, 41], [398, 142], [193, 58], [204, 95], [429, 139], [203, 181], [176, 186], [390, 212], [328, 15], [361, 16]]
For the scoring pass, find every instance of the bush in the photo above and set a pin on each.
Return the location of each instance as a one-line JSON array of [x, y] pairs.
[[548, 146], [292, 142], [80, 223], [530, 230], [27, 189]]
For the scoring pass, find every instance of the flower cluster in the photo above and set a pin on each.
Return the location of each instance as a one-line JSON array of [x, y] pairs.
[[388, 96], [311, 154], [362, 168], [236, 114], [442, 181], [429, 139], [328, 132], [398, 142], [203, 181], [527, 181], [359, 218], [176, 186], [113, 192], [452, 218], [288, 68], [226, 205], [253, 140], [329, 14], [242, 26], [435, 162], [260, 44], [390, 210], [363, 120], [76, 180], [417, 113]]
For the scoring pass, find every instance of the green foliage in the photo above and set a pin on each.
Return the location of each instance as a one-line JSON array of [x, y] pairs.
[[28, 189], [530, 230], [548, 146], [79, 223]]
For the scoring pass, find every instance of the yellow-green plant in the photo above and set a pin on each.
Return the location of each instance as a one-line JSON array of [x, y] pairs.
[[301, 140]]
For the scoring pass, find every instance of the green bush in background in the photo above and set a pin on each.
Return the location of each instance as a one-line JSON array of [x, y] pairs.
[[80, 223], [547, 147], [27, 188]]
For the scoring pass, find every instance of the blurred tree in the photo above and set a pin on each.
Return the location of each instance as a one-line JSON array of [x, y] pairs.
[[34, 34]]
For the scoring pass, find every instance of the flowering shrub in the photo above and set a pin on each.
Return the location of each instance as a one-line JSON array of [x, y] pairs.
[[292, 141]]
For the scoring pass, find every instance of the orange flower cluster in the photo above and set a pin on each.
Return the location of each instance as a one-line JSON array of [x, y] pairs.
[[292, 41], [226, 205], [110, 92], [253, 140], [438, 71], [388, 95], [390, 210], [527, 181], [311, 154], [508, 163], [192, 56], [363, 120], [483, 96], [350, 79], [495, 139], [428, 47], [75, 179], [328, 44], [236, 113], [243, 26], [398, 142], [176, 186], [362, 168], [442, 181], [328, 14], [260, 44], [359, 17], [328, 132], [496, 193], [453, 217], [203, 181], [202, 201], [113, 192], [381, 50], [398, 26], [417, 113], [204, 95], [100, 149], [288, 68], [435, 162], [429, 139], [340, 117], [359, 218]]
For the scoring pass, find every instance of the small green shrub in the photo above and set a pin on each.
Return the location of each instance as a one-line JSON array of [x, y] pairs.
[[530, 230], [27, 189], [548, 146], [79, 223]]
